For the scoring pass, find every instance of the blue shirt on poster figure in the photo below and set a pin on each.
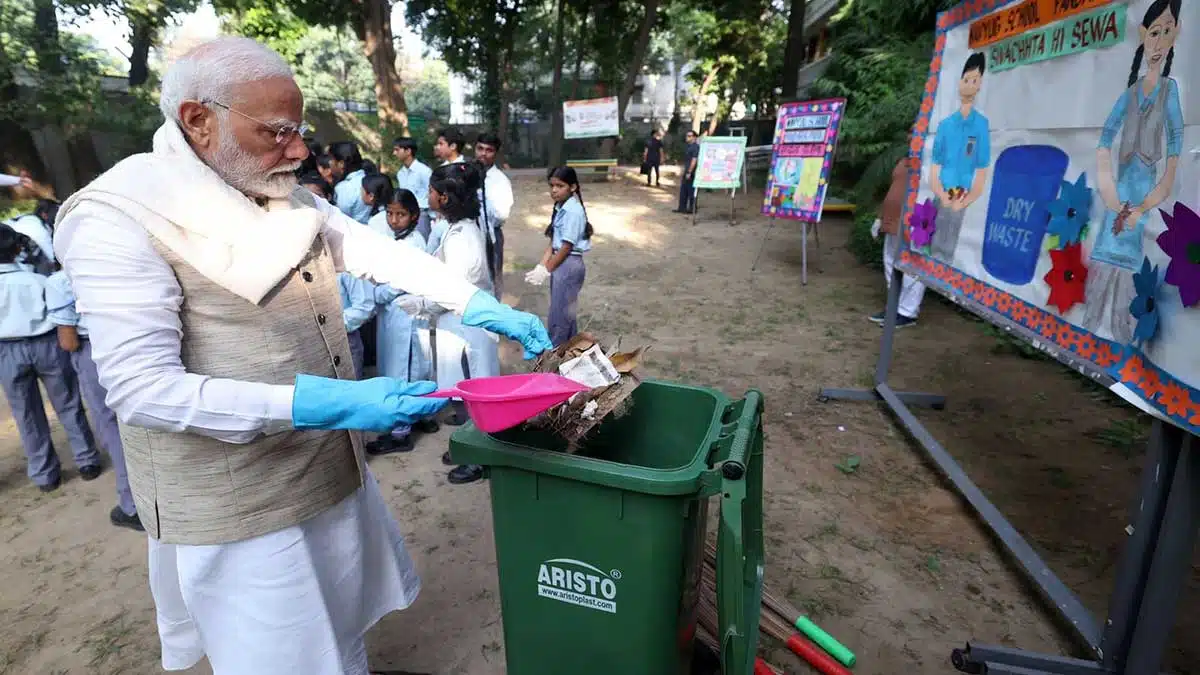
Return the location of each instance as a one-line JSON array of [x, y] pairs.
[[961, 146], [1025, 180]]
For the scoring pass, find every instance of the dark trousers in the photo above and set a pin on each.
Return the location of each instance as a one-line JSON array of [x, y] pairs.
[[687, 196], [495, 261], [652, 168], [22, 364]]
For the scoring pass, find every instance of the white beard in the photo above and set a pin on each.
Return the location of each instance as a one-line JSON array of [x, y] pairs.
[[243, 172]]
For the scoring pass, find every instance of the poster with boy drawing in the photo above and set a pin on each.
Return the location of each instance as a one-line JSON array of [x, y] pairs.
[[1059, 183]]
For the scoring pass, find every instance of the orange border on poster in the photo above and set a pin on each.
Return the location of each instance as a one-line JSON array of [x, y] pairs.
[[1024, 17]]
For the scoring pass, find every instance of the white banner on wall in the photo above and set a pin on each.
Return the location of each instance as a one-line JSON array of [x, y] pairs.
[[592, 118], [1059, 184]]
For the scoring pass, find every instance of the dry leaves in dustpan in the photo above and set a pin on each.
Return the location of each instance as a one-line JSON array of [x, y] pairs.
[[574, 419]]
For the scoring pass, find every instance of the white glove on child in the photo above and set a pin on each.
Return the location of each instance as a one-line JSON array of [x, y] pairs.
[[537, 276], [875, 227]]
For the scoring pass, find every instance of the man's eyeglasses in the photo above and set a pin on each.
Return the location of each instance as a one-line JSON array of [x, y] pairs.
[[283, 133]]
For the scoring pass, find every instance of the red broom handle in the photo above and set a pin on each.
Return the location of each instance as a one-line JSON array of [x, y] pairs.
[[814, 656]]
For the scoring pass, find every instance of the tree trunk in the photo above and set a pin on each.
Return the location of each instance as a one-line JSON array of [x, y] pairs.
[[793, 54], [701, 95], [556, 124], [141, 39], [576, 83], [640, 46], [45, 37], [375, 31]]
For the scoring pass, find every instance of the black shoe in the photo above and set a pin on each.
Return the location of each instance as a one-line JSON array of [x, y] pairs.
[[51, 486], [122, 519], [446, 459], [457, 415], [427, 426], [467, 473], [386, 445], [91, 472]]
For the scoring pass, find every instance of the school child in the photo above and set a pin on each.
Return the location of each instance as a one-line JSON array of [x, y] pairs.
[[400, 325], [376, 194], [73, 339], [316, 184], [29, 352], [461, 351], [348, 191], [570, 236], [330, 172], [359, 300], [448, 148]]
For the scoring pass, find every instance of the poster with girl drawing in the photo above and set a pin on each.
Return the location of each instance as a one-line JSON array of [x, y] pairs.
[[1060, 184]]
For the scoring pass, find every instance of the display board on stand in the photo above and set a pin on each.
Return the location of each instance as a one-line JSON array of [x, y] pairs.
[[1056, 198], [591, 118], [806, 136], [719, 167]]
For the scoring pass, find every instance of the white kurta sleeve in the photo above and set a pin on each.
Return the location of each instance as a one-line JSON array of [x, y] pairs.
[[365, 253], [130, 299], [9, 181]]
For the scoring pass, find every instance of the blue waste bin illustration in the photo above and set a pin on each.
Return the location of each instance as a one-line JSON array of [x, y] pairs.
[[1026, 178]]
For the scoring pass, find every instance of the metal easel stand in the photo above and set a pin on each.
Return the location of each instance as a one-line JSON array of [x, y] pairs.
[[803, 258], [1154, 565]]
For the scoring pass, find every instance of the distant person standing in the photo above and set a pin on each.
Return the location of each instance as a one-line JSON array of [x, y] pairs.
[[413, 176], [448, 148], [652, 157], [449, 145], [348, 191], [890, 214], [687, 190], [496, 197]]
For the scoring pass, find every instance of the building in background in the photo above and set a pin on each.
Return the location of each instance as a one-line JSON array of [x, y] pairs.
[[816, 38]]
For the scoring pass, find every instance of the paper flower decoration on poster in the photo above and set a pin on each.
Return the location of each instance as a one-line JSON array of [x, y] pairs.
[[1067, 277], [1181, 243], [1144, 307], [1069, 214], [923, 223]]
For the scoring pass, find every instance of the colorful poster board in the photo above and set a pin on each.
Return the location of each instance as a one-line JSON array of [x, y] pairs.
[[1059, 194], [805, 139], [591, 118], [720, 163]]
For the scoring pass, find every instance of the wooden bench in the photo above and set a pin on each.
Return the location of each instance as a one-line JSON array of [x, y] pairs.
[[599, 168]]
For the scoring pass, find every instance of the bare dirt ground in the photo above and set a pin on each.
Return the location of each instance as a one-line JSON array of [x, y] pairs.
[[882, 555]]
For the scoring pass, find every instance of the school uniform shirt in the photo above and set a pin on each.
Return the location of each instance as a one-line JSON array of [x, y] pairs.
[[498, 189], [60, 303], [23, 311], [348, 197], [569, 226], [358, 300], [961, 147], [415, 179]]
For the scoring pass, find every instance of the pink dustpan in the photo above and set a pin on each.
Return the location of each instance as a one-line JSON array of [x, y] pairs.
[[499, 403]]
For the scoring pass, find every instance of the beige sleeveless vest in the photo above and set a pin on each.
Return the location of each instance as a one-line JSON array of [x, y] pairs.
[[192, 489]]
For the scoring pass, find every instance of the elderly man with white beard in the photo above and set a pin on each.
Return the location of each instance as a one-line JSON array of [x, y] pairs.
[[209, 282]]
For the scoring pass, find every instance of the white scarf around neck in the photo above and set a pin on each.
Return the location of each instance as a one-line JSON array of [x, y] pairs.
[[220, 232]]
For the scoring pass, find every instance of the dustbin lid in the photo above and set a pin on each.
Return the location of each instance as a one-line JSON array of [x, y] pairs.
[[740, 537]]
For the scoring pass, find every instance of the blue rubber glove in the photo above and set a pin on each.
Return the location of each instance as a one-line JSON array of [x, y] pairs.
[[378, 404], [486, 312]]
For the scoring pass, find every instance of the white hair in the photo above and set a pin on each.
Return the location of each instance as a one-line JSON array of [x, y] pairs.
[[210, 72]]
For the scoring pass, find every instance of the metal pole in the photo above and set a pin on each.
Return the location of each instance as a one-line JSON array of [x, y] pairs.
[[763, 247], [695, 203], [804, 253]]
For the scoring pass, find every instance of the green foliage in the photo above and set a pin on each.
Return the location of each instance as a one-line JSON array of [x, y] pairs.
[[68, 94], [867, 249], [330, 67], [11, 208], [429, 93], [275, 26], [881, 52]]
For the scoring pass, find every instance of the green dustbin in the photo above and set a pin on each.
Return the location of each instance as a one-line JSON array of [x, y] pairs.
[[599, 553]]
